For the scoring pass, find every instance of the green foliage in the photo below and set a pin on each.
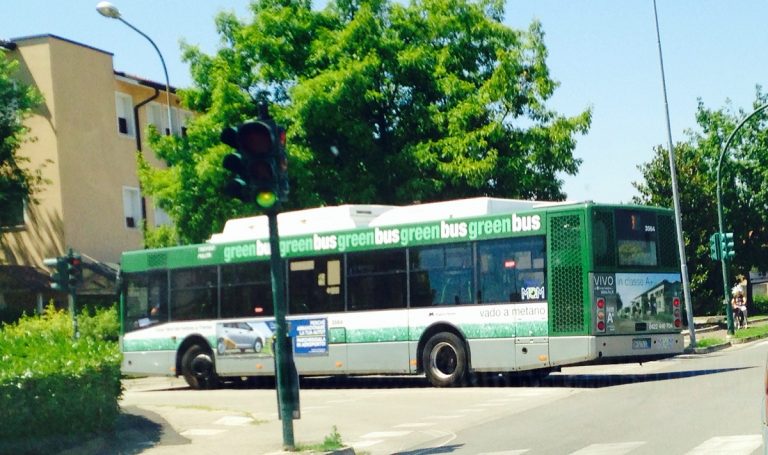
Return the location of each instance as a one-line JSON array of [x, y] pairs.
[[752, 331], [332, 441], [51, 384], [744, 195], [384, 102], [102, 325], [160, 236], [759, 305], [707, 342], [17, 183]]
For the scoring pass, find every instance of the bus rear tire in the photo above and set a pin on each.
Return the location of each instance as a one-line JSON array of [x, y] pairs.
[[198, 368], [445, 360]]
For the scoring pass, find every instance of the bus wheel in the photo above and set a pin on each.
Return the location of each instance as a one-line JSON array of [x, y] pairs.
[[198, 368], [445, 360]]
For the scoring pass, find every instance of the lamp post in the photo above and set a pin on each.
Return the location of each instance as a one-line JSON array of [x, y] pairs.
[[109, 10], [676, 195], [721, 224]]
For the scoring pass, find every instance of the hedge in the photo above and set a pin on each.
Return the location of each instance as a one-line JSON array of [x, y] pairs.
[[51, 384]]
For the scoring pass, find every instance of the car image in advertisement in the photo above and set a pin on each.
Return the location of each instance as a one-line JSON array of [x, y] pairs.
[[639, 302], [243, 337]]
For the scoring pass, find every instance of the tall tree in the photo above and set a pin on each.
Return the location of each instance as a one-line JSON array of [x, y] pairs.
[[17, 181], [384, 103], [744, 181]]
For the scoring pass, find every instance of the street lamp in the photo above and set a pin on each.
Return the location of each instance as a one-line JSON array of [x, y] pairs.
[[109, 10], [720, 223]]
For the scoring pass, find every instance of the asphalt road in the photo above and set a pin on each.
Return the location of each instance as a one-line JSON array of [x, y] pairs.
[[696, 404]]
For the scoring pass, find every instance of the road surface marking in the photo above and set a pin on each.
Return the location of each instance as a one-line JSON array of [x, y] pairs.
[[202, 432], [732, 445], [233, 421], [447, 417], [366, 443], [506, 452], [415, 425], [616, 448], [385, 434]]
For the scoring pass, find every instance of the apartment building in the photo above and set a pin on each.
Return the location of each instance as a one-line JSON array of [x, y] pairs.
[[84, 138]]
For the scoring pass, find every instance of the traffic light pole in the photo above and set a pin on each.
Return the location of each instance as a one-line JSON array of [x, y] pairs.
[[720, 223], [285, 371]]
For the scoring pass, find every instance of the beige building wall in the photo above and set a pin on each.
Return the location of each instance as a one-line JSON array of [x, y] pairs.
[[87, 162]]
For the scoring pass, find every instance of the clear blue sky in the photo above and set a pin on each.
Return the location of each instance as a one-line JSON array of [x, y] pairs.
[[603, 52]]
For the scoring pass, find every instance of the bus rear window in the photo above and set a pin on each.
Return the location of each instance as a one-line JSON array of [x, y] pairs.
[[636, 238]]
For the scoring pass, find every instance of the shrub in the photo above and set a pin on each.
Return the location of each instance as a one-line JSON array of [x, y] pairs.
[[759, 305], [101, 325], [51, 384]]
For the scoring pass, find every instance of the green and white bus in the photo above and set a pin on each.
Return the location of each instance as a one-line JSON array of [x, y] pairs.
[[443, 289]]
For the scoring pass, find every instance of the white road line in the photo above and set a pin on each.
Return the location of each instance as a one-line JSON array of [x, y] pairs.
[[233, 421], [385, 434], [448, 417], [366, 443], [415, 425], [202, 432], [731, 445], [616, 448]]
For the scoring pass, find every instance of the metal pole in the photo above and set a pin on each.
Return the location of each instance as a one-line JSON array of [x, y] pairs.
[[721, 223], [675, 194], [283, 352], [165, 71]]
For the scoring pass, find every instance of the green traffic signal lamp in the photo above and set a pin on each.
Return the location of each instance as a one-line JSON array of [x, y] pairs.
[[58, 276], [714, 246], [254, 175], [727, 250]]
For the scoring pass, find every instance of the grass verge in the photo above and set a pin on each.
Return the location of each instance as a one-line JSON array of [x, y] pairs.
[[331, 442], [761, 330]]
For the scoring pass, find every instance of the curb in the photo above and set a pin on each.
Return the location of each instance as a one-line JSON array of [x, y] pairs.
[[708, 349]]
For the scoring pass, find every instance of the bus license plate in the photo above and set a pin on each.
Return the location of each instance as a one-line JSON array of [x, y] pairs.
[[641, 343]]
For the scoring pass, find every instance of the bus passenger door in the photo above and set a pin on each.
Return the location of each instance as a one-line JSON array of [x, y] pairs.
[[315, 293]]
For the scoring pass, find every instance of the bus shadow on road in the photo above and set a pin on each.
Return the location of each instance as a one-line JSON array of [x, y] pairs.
[[583, 381], [596, 381]]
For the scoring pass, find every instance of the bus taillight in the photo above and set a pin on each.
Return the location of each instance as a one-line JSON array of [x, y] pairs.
[[676, 312], [600, 314]]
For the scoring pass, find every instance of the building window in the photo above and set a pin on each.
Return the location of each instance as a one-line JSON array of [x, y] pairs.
[[132, 207], [11, 212], [161, 217], [124, 104], [183, 120], [157, 115]]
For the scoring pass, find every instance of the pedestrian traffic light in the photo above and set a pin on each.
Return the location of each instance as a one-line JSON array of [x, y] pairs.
[[59, 275], [714, 246], [254, 165], [727, 251], [74, 267]]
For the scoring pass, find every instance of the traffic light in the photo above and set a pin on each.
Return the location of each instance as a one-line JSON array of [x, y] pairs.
[[714, 246], [74, 270], [258, 164], [59, 275], [726, 246]]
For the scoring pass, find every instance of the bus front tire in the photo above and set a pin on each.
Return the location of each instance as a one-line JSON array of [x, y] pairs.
[[198, 368], [445, 360]]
